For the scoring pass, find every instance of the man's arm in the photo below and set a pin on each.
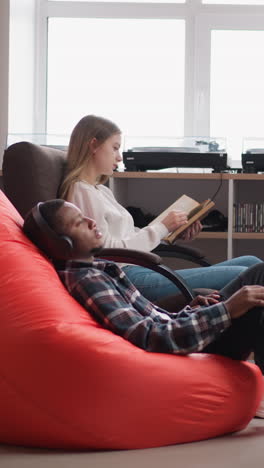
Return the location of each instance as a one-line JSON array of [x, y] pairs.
[[189, 331], [146, 326]]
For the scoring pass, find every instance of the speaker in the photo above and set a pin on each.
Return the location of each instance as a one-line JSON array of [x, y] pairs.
[[38, 230]]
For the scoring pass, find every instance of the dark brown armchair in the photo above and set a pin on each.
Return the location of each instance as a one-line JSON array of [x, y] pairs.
[[33, 173]]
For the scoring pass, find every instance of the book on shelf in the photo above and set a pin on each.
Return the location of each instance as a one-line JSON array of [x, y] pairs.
[[248, 217], [195, 211]]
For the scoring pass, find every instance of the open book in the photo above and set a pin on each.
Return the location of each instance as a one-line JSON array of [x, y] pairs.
[[194, 209]]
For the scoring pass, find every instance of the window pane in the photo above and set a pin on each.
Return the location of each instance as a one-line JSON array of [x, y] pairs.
[[123, 1], [131, 71], [234, 2], [237, 76]]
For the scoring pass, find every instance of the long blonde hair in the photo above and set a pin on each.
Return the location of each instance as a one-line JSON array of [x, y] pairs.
[[78, 154]]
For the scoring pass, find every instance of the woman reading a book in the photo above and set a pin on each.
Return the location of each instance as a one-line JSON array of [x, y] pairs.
[[93, 155]]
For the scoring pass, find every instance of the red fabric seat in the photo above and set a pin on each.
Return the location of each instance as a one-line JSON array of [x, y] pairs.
[[67, 383]]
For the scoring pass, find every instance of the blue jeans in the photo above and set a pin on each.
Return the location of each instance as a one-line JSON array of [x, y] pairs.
[[154, 286]]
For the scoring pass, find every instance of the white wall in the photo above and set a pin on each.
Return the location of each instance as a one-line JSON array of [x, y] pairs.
[[4, 47]]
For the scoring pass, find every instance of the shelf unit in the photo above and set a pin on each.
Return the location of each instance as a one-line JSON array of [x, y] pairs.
[[234, 186]]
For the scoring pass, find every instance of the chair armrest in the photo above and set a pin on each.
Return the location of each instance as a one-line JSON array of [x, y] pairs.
[[147, 260], [186, 252], [137, 257]]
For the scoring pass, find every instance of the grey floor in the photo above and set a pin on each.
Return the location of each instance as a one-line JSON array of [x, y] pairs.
[[243, 449]]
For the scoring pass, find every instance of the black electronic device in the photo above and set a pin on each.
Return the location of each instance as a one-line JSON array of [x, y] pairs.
[[136, 160], [253, 160]]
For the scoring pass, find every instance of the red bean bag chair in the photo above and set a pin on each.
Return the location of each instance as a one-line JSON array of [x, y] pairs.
[[65, 382]]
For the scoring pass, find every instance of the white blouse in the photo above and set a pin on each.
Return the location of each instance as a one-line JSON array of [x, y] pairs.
[[113, 220]]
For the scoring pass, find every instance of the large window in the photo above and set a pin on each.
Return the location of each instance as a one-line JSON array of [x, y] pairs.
[[131, 71], [133, 1], [234, 2], [237, 76], [174, 68]]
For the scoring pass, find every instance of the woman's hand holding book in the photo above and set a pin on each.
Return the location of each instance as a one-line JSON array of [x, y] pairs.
[[175, 219], [191, 232]]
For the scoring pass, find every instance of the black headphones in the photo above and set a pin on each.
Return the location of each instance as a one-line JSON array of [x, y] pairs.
[[38, 230]]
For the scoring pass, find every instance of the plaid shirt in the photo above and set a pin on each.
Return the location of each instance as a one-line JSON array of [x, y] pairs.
[[103, 289]]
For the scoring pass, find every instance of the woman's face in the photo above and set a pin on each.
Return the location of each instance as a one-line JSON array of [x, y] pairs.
[[107, 155]]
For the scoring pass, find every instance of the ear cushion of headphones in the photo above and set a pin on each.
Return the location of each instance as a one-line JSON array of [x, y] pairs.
[[53, 244]]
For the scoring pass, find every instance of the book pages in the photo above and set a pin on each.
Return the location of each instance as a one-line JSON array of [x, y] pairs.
[[194, 210]]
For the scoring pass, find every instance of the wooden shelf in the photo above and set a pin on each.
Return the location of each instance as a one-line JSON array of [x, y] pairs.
[[187, 175], [169, 175], [248, 235], [233, 185], [212, 235], [235, 235], [247, 176]]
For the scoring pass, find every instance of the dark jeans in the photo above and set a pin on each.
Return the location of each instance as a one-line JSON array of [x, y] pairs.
[[246, 333]]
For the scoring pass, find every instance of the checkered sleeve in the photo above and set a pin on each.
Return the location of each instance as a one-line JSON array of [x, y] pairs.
[[143, 324], [189, 330]]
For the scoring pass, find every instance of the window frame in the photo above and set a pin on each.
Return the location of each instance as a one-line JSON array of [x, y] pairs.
[[200, 20], [206, 23], [47, 9]]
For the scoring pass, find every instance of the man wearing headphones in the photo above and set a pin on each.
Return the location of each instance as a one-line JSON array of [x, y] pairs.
[[230, 323]]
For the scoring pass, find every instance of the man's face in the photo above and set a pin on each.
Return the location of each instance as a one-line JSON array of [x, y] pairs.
[[81, 229]]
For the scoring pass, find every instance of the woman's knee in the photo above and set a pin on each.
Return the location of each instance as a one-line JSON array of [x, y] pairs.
[[249, 260], [243, 261]]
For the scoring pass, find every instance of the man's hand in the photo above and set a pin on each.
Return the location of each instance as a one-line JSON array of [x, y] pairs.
[[244, 299], [191, 232], [209, 299]]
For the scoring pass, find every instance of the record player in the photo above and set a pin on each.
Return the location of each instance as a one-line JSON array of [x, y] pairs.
[[188, 152], [253, 155]]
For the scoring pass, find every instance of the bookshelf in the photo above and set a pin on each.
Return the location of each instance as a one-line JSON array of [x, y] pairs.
[[154, 191]]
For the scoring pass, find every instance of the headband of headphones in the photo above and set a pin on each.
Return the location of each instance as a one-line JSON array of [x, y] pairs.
[[54, 245]]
